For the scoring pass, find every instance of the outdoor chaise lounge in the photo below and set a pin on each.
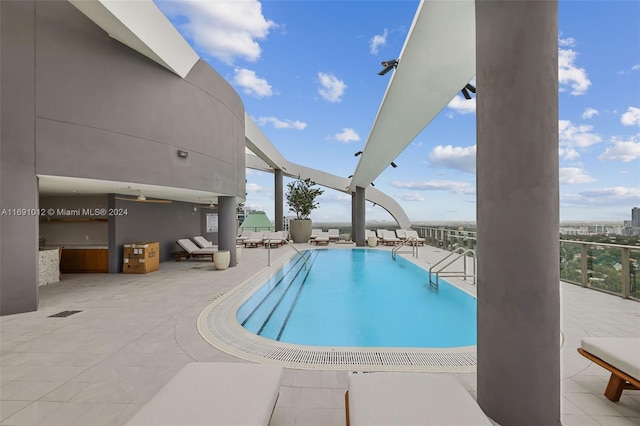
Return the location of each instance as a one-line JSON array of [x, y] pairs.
[[401, 233], [202, 242], [321, 238], [619, 355], [273, 239], [334, 234], [214, 393], [244, 236], [189, 249], [413, 234], [254, 240], [389, 238], [314, 233], [410, 399]]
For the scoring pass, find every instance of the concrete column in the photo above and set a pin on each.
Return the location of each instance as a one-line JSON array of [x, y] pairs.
[[227, 226], [354, 219], [518, 211], [18, 181], [279, 199], [360, 216]]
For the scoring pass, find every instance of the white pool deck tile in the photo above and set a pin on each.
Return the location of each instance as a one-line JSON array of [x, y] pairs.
[[135, 332]]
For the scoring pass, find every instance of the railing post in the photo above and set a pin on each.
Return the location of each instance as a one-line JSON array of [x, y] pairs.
[[585, 265], [626, 274]]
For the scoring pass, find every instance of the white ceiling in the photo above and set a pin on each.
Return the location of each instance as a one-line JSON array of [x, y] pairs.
[[60, 185]]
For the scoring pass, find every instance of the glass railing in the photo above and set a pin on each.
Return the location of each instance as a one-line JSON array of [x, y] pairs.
[[612, 268]]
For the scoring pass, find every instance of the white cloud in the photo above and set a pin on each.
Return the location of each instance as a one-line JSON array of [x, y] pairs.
[[613, 196], [377, 41], [571, 175], [636, 67], [590, 113], [631, 117], [225, 30], [622, 150], [254, 188], [566, 42], [569, 74], [331, 88], [251, 83], [580, 136], [458, 158], [411, 196], [568, 153], [437, 185], [282, 124], [347, 135], [462, 105]]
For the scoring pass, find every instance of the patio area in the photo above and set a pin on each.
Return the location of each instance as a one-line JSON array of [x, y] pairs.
[[134, 332]]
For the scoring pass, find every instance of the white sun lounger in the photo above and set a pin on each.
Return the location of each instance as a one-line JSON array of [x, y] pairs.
[[321, 238], [214, 393], [389, 238], [254, 240], [334, 234], [411, 233], [202, 242], [410, 399], [619, 355], [192, 250]]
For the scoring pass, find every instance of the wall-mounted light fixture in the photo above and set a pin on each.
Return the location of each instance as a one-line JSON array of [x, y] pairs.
[[372, 184], [182, 154], [466, 89], [388, 66], [357, 153], [394, 165], [350, 176]]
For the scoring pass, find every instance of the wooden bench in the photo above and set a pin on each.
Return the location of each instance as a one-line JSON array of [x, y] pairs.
[[214, 393], [619, 355]]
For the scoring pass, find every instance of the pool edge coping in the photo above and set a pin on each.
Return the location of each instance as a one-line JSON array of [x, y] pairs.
[[217, 324]]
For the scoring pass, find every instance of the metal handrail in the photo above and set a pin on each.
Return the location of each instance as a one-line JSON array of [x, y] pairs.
[[460, 252], [290, 245], [414, 247]]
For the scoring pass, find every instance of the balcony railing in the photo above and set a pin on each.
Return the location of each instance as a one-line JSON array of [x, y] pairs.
[[611, 268]]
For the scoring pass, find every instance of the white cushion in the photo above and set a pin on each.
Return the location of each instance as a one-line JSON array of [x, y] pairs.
[[214, 393], [396, 399], [621, 352]]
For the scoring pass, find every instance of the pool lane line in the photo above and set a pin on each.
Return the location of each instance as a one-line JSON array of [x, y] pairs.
[[264, 324], [295, 301], [253, 311]]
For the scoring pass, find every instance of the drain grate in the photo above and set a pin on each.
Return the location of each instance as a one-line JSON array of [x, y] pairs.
[[63, 314]]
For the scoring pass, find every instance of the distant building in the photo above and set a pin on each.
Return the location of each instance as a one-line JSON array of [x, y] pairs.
[[635, 217]]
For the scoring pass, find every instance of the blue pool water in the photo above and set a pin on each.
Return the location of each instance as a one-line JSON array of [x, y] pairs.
[[359, 297]]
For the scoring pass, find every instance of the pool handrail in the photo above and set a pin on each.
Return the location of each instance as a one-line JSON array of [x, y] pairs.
[[414, 247], [461, 252], [290, 245]]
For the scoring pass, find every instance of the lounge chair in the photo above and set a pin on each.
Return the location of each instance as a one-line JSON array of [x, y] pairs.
[[202, 242], [273, 239], [389, 238], [189, 249], [254, 240], [412, 233], [376, 399], [334, 234], [244, 236], [214, 393], [401, 233], [322, 238], [619, 355], [314, 233]]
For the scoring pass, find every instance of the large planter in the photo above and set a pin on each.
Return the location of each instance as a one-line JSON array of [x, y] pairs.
[[221, 259], [300, 230]]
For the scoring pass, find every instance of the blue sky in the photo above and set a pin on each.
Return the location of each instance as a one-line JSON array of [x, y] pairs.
[[307, 74]]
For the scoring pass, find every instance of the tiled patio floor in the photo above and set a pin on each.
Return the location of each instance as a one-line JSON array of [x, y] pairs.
[[136, 331]]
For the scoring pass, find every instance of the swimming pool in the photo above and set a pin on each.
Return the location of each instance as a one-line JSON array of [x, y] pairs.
[[359, 298]]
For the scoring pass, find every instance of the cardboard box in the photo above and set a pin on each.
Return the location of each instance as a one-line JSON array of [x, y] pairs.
[[141, 258]]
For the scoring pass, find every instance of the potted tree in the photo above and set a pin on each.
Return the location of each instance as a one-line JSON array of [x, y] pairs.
[[301, 198]]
